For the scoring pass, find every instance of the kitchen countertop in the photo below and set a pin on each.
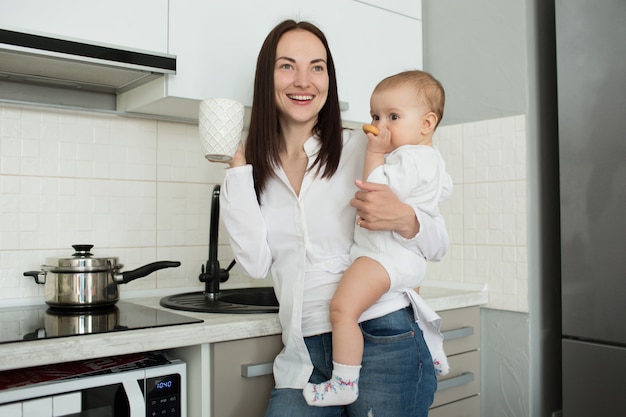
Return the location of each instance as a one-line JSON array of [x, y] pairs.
[[214, 328]]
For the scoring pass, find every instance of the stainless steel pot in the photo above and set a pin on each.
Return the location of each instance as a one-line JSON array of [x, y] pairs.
[[84, 281]]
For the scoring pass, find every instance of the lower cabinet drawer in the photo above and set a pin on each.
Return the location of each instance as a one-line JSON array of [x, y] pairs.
[[463, 380], [468, 407], [241, 376], [461, 329]]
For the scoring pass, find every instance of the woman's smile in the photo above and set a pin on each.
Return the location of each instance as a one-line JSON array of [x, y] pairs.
[[300, 97]]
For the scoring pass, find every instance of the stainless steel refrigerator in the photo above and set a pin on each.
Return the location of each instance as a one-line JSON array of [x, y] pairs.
[[591, 82]]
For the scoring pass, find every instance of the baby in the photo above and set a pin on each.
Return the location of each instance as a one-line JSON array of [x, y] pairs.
[[406, 109]]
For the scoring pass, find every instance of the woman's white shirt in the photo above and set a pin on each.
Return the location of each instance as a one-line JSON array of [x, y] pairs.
[[304, 241]]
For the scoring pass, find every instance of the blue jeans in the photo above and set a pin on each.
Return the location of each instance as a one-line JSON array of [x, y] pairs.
[[397, 378]]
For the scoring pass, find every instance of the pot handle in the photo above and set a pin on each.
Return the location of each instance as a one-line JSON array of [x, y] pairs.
[[36, 275], [142, 271], [36, 335]]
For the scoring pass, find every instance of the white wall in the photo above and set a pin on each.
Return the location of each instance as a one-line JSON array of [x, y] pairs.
[[486, 216], [135, 188]]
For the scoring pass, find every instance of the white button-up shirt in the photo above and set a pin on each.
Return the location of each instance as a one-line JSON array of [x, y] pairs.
[[304, 241]]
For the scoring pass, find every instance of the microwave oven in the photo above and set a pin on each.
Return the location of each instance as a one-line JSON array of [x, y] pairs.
[[141, 385]]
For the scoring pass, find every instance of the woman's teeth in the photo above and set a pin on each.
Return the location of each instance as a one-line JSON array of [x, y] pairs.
[[300, 98]]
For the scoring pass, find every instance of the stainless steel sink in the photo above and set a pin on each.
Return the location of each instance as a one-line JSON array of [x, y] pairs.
[[236, 301]]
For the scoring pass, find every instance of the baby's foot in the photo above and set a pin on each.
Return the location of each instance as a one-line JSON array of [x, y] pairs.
[[341, 389]]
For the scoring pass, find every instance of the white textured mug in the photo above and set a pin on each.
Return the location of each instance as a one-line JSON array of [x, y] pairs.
[[220, 122]]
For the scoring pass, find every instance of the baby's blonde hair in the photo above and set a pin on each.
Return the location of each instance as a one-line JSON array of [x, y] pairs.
[[425, 85]]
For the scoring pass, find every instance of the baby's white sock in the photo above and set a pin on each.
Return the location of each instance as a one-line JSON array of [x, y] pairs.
[[341, 389]]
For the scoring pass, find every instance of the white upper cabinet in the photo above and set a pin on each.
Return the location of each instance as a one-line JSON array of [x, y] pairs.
[[216, 45], [136, 24], [409, 8], [368, 44]]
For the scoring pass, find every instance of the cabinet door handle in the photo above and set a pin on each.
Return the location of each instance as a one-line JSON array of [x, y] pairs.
[[464, 378], [251, 370], [458, 333]]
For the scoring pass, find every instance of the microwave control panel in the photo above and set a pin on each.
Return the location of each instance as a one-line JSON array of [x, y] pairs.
[[163, 396]]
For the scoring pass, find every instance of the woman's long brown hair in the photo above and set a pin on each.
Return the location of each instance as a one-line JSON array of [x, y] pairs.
[[264, 136]]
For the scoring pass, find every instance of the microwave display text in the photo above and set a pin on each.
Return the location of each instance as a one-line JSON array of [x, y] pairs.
[[163, 385]]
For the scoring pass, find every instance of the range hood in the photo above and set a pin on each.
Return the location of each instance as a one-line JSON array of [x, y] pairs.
[[33, 67]]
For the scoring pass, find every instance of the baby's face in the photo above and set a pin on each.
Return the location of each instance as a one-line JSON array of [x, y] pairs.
[[401, 111]]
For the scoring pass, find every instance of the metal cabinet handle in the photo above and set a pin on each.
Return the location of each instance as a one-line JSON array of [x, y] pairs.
[[458, 333], [253, 370], [464, 378]]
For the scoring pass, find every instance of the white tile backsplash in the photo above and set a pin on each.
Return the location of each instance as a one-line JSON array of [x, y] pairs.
[[140, 190], [486, 216]]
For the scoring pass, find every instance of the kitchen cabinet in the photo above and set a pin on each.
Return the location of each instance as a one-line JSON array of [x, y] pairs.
[[217, 44], [458, 392], [409, 8], [140, 24], [231, 378], [241, 375], [368, 44], [468, 407]]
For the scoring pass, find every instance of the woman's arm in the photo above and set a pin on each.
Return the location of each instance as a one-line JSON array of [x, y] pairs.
[[241, 215], [380, 209]]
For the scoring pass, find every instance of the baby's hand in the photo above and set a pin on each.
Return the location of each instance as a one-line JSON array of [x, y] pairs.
[[378, 139]]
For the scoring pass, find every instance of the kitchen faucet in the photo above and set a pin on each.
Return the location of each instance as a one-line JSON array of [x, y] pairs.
[[211, 273], [211, 300]]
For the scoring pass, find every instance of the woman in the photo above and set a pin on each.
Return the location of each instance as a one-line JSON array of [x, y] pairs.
[[287, 206]]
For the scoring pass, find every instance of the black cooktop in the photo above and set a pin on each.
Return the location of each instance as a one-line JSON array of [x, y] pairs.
[[41, 322]]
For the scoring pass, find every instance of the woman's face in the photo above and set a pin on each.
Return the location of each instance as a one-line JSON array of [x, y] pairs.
[[300, 77]]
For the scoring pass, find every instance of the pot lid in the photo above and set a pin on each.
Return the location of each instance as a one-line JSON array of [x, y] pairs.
[[82, 260]]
